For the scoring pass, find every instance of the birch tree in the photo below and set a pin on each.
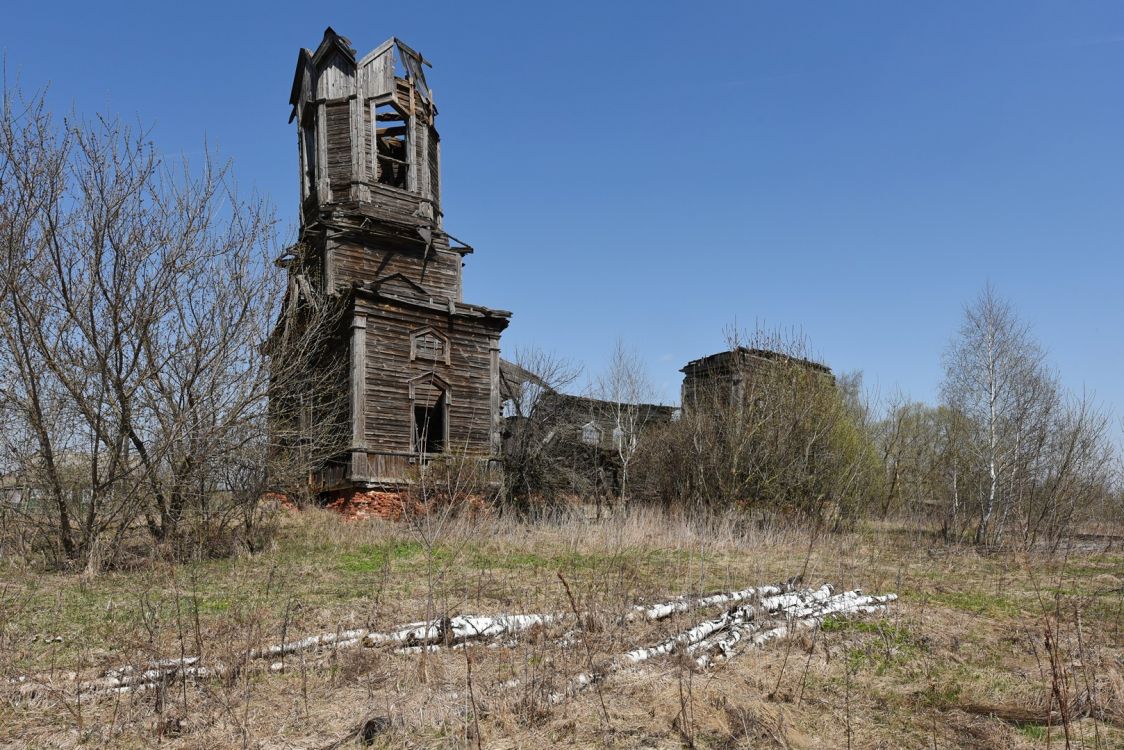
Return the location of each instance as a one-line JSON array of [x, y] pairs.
[[992, 372], [1044, 455], [623, 394]]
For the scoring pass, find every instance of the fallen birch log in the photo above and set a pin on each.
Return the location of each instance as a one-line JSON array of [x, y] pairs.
[[409, 638], [765, 612], [757, 633], [686, 604], [459, 629], [758, 623], [727, 619]]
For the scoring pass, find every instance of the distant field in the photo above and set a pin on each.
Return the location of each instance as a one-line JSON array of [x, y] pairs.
[[967, 657]]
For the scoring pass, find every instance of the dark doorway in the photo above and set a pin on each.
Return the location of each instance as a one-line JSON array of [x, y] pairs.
[[429, 427]]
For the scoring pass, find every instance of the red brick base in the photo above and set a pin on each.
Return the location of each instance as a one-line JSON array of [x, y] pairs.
[[360, 504], [356, 504]]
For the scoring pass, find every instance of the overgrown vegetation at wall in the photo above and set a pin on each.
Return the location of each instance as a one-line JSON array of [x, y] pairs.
[[1008, 457]]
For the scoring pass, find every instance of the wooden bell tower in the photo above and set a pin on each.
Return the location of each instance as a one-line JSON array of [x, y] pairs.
[[423, 364]]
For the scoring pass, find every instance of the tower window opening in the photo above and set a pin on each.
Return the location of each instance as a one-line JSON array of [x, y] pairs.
[[308, 151], [392, 146]]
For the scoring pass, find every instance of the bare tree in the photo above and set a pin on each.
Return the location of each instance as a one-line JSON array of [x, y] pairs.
[[134, 300], [623, 395], [1042, 455], [537, 466]]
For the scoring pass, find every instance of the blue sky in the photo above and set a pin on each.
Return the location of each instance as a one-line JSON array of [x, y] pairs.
[[656, 172]]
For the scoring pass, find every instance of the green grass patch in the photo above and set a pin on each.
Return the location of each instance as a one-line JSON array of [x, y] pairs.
[[370, 558], [1032, 731], [890, 645], [486, 558], [978, 603]]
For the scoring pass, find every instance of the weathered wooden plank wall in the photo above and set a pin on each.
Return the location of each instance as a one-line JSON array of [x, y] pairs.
[[441, 274], [389, 370]]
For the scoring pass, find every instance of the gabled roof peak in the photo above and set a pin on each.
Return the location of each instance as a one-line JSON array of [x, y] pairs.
[[332, 40]]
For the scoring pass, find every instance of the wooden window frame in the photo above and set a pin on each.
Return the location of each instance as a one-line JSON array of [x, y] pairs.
[[415, 335], [446, 399], [595, 428], [409, 162]]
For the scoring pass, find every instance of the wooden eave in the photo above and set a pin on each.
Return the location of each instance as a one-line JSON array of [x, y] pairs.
[[725, 361], [360, 219], [434, 303], [300, 77]]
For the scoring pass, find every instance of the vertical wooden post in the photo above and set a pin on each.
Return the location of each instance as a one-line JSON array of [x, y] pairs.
[[437, 193], [322, 184], [358, 398], [328, 269], [355, 127], [497, 416]]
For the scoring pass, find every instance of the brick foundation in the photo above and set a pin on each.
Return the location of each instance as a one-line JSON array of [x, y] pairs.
[[359, 504], [356, 504]]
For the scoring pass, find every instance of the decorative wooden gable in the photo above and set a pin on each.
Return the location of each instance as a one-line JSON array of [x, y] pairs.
[[428, 389], [427, 345]]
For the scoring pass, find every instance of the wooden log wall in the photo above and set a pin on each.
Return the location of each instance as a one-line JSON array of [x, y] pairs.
[[389, 370]]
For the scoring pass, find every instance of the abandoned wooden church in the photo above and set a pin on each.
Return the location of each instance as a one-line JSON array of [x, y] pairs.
[[420, 365], [393, 360]]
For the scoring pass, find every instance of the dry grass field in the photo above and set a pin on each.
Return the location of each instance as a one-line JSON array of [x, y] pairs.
[[969, 656]]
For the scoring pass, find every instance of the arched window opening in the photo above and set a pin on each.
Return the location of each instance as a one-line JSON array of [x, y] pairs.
[[430, 423]]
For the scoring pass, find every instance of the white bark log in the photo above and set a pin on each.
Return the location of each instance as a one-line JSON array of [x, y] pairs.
[[666, 609], [766, 613]]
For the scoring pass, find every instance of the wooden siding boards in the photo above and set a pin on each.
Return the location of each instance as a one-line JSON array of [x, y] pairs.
[[389, 370], [359, 263], [574, 412], [335, 76]]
